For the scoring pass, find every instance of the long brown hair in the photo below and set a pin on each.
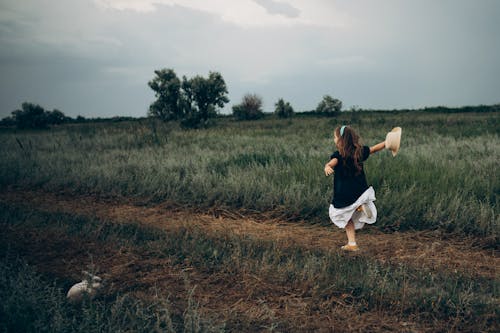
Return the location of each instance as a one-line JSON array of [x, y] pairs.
[[350, 149]]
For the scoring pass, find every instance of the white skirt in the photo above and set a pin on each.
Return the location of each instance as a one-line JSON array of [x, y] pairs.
[[340, 216]]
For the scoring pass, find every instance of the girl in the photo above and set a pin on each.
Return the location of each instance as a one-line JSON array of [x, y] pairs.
[[352, 204]]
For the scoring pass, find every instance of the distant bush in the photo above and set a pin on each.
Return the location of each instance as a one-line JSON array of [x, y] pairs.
[[8, 121], [34, 116], [30, 116], [283, 109], [249, 109], [478, 108], [329, 105], [80, 119]]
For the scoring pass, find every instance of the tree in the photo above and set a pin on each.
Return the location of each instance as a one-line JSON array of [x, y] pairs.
[[329, 105], [30, 116], [249, 109], [56, 117], [193, 101], [8, 121], [283, 109], [166, 86], [200, 98], [36, 117]]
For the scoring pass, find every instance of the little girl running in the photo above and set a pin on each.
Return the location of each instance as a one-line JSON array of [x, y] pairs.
[[352, 204]]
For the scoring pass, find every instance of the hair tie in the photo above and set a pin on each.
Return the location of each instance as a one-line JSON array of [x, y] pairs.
[[342, 130]]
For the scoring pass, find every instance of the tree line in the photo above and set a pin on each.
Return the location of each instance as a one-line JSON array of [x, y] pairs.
[[34, 116], [194, 102]]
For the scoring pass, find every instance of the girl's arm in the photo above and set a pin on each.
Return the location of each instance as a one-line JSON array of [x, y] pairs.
[[330, 165], [377, 147]]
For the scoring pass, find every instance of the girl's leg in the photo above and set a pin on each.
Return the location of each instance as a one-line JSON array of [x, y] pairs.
[[351, 237], [351, 234]]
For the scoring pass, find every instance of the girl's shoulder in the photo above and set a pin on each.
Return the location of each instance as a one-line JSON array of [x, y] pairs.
[[336, 154], [365, 153]]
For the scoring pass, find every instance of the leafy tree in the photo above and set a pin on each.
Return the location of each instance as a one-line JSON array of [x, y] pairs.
[[30, 116], [166, 86], [193, 101], [329, 105], [56, 117], [200, 97], [250, 108], [283, 109], [8, 121], [34, 116]]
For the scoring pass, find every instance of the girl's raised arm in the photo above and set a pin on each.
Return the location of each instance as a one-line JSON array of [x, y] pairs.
[[377, 147]]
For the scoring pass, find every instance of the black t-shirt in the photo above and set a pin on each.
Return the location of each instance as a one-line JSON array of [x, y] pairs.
[[348, 186]]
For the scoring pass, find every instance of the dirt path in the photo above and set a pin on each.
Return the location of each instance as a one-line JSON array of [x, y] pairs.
[[243, 301], [419, 249]]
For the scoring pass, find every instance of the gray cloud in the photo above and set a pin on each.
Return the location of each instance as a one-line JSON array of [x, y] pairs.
[[85, 60], [278, 8]]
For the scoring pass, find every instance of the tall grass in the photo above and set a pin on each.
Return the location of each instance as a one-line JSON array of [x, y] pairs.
[[445, 176]]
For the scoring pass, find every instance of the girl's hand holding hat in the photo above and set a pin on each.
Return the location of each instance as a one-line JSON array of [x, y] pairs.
[[393, 140]]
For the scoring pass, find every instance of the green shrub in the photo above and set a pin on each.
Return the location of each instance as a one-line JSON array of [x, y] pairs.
[[329, 105], [283, 109], [249, 109]]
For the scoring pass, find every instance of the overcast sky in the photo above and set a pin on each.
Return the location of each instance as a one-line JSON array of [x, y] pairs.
[[95, 57]]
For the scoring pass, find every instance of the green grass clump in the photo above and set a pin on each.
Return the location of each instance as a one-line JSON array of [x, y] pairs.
[[444, 177]]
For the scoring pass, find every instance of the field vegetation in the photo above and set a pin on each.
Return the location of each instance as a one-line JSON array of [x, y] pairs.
[[446, 175], [179, 274]]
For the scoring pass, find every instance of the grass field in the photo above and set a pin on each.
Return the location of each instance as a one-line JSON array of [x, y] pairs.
[[446, 175], [171, 273]]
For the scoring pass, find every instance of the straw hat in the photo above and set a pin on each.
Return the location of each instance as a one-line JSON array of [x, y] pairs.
[[393, 140]]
